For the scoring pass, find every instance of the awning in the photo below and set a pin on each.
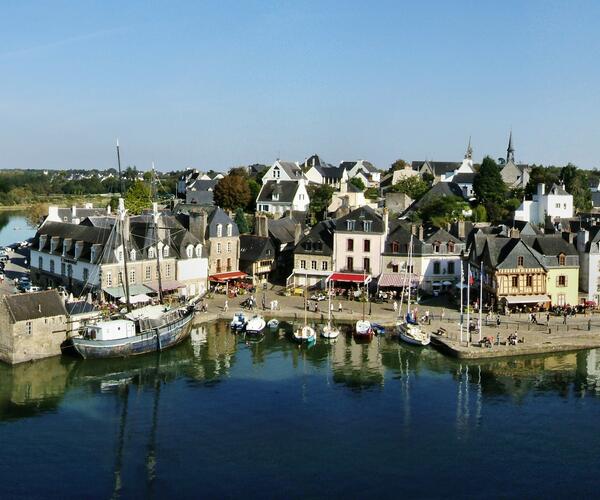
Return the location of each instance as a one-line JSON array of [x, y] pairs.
[[446, 283], [118, 292], [527, 299], [350, 277], [395, 280], [223, 277], [137, 299], [167, 285]]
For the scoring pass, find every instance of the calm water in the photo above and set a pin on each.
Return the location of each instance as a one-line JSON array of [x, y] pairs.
[[14, 228], [216, 417]]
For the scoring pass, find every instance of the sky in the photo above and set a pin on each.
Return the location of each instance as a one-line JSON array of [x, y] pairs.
[[213, 85]]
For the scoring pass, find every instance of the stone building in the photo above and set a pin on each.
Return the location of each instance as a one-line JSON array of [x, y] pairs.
[[32, 326], [313, 256]]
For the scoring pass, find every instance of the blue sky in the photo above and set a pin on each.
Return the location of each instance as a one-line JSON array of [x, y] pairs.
[[219, 84]]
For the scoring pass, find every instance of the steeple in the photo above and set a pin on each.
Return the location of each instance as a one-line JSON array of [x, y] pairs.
[[469, 153], [510, 152]]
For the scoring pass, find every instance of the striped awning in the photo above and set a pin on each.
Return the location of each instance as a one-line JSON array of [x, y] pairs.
[[167, 285], [118, 291], [350, 277], [527, 299], [223, 277], [395, 280]]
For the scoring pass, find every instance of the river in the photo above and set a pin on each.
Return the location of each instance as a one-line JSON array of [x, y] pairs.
[[216, 417], [14, 227]]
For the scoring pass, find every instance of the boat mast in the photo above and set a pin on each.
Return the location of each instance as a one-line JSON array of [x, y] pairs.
[[122, 216], [155, 221], [409, 272], [364, 294], [119, 163], [329, 304], [305, 299]]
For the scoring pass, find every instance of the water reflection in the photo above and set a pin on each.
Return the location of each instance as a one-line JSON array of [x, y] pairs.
[[213, 353]]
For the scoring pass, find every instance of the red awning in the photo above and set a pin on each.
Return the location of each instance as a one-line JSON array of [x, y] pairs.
[[350, 277], [223, 277], [396, 280]]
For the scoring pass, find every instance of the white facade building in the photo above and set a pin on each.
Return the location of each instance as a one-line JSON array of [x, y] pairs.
[[557, 204]]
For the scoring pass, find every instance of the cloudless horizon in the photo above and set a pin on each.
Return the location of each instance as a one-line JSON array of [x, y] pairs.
[[213, 85]]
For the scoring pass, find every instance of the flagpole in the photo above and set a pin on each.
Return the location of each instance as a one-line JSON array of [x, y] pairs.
[[480, 297], [462, 279], [468, 302]]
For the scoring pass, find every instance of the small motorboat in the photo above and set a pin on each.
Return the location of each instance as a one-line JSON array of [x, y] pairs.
[[239, 321], [256, 325], [378, 329], [273, 324], [305, 334], [363, 330]]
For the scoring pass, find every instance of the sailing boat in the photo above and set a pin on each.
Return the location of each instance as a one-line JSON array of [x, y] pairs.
[[329, 331], [362, 329], [408, 328], [306, 333], [149, 329]]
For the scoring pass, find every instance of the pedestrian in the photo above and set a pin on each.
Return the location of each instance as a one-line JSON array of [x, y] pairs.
[[263, 302], [339, 307], [443, 313], [395, 306], [565, 317], [498, 320], [547, 318], [331, 308], [226, 306], [498, 338], [427, 318]]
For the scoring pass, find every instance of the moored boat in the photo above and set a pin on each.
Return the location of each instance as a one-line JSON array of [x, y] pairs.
[[273, 324], [363, 330], [412, 333], [329, 331], [305, 334], [239, 321], [255, 325]]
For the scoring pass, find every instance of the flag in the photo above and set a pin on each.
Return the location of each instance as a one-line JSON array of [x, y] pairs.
[[471, 279]]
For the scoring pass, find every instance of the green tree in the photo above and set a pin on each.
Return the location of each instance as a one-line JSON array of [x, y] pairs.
[[320, 198], [479, 214], [397, 165], [254, 190], [414, 186], [138, 198], [231, 192], [240, 220], [444, 209], [372, 193], [576, 184], [488, 184], [357, 181]]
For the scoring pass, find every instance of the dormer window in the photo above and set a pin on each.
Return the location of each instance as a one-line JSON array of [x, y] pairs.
[[219, 230], [198, 250], [42, 242], [276, 173], [395, 247], [151, 253], [166, 251], [520, 261], [367, 225], [78, 249], [229, 229], [275, 197], [93, 255], [132, 255], [450, 246], [189, 251], [436, 246], [562, 260], [350, 225]]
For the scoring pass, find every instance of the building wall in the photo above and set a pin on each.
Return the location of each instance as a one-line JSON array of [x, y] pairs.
[[193, 273], [340, 252], [556, 206], [313, 276], [504, 282], [214, 255], [18, 346], [563, 295]]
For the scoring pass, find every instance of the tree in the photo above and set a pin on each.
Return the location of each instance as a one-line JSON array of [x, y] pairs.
[[372, 193], [36, 213], [320, 198], [397, 165], [357, 181], [241, 171], [254, 190], [576, 184], [414, 186], [240, 220], [488, 184], [444, 209], [479, 214], [231, 192], [138, 198]]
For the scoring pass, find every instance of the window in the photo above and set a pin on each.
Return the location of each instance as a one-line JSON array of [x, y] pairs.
[[218, 265], [120, 255], [148, 273], [350, 263], [367, 264], [367, 245], [367, 225], [229, 229], [350, 225], [515, 281], [302, 264], [29, 328], [350, 244], [92, 255], [189, 251], [436, 247], [132, 277], [198, 250], [450, 267], [313, 265], [395, 247], [40, 263], [276, 173], [132, 255], [63, 268], [168, 270], [520, 261], [436, 268], [51, 266], [229, 247], [450, 247], [166, 251], [151, 254], [558, 205], [324, 265], [86, 274], [218, 248], [229, 264], [529, 280], [219, 230], [562, 260], [120, 278], [561, 280], [394, 268], [108, 278]]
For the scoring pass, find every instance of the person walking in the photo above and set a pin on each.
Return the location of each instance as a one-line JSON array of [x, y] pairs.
[[443, 313], [226, 306], [395, 306], [340, 307], [547, 318], [565, 317]]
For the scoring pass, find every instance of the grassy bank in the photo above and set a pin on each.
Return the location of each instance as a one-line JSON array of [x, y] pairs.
[[61, 200]]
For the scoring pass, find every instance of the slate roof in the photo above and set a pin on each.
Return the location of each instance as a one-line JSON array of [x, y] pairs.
[[351, 188], [551, 246], [437, 190], [401, 232], [329, 171], [30, 306], [464, 178], [218, 216], [253, 248], [285, 189], [319, 241], [439, 167], [203, 198], [360, 216], [283, 230], [203, 184], [291, 169], [556, 189]]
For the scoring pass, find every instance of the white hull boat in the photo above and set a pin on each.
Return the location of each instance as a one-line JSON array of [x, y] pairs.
[[273, 324], [330, 332], [363, 329], [305, 334], [256, 325], [412, 334], [239, 321]]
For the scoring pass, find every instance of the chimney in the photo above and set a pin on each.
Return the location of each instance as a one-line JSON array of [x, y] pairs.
[[514, 233], [39, 308], [421, 232], [297, 233], [197, 224], [126, 230], [583, 236], [461, 230], [541, 189], [261, 226], [386, 221]]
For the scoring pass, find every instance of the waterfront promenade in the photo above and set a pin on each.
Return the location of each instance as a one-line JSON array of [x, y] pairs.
[[579, 332]]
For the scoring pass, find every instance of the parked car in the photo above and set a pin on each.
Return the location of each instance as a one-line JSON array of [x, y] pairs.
[[318, 297], [32, 288]]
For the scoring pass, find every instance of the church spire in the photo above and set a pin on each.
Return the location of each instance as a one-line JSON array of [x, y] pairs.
[[510, 151], [469, 153]]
